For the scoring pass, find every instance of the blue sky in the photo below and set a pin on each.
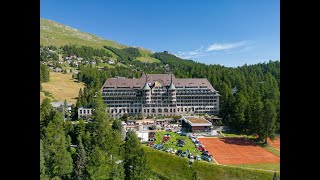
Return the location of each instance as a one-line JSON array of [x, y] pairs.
[[226, 32]]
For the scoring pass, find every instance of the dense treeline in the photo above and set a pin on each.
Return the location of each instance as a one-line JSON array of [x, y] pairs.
[[85, 52], [88, 150], [126, 54], [44, 73]]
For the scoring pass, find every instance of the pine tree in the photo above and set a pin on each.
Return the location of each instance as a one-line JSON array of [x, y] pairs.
[[116, 125], [59, 161], [43, 175], [80, 129], [238, 116], [135, 163], [105, 144], [256, 121], [46, 113], [81, 160], [269, 119], [97, 166]]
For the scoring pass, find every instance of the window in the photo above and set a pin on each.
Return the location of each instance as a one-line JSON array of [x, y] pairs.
[[135, 110], [131, 110], [171, 110], [185, 109], [80, 111], [111, 110], [144, 110]]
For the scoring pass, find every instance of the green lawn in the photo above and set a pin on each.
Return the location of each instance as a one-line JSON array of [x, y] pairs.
[[173, 138], [226, 134], [271, 166], [272, 150], [175, 168], [148, 59]]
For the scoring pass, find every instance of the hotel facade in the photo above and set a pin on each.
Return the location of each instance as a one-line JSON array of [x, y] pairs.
[[159, 95]]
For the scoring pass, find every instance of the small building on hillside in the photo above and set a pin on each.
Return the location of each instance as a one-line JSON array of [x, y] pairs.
[[195, 124], [57, 69], [73, 56], [85, 113], [213, 119], [234, 90], [61, 103], [92, 62]]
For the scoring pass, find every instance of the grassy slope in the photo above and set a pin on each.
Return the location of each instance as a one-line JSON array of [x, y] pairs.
[[173, 167], [272, 150], [42, 96], [53, 33], [62, 86], [148, 59], [271, 166]]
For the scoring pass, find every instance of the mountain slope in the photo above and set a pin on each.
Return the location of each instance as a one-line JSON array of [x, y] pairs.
[[53, 33]]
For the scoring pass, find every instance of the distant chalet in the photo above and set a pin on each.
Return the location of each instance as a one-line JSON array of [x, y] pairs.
[[160, 95]]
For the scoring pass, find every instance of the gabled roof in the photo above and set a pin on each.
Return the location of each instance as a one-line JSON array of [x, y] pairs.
[[164, 79]]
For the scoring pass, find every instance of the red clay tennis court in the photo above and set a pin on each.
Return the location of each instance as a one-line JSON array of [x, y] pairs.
[[275, 143], [237, 151]]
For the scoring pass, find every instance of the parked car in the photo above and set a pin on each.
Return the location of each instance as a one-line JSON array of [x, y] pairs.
[[190, 156], [206, 157], [173, 151], [197, 157], [179, 152], [206, 153], [184, 154], [201, 148], [194, 140], [168, 149], [183, 134], [158, 146], [181, 143]]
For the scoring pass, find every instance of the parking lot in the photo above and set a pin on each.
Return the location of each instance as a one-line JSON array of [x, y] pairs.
[[181, 145]]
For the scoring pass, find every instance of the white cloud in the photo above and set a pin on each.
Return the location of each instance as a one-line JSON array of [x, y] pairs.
[[214, 48], [226, 46]]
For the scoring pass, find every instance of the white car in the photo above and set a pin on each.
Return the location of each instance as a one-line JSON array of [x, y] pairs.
[[173, 151]]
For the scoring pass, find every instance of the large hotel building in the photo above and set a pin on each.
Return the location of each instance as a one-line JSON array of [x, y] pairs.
[[159, 95]]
